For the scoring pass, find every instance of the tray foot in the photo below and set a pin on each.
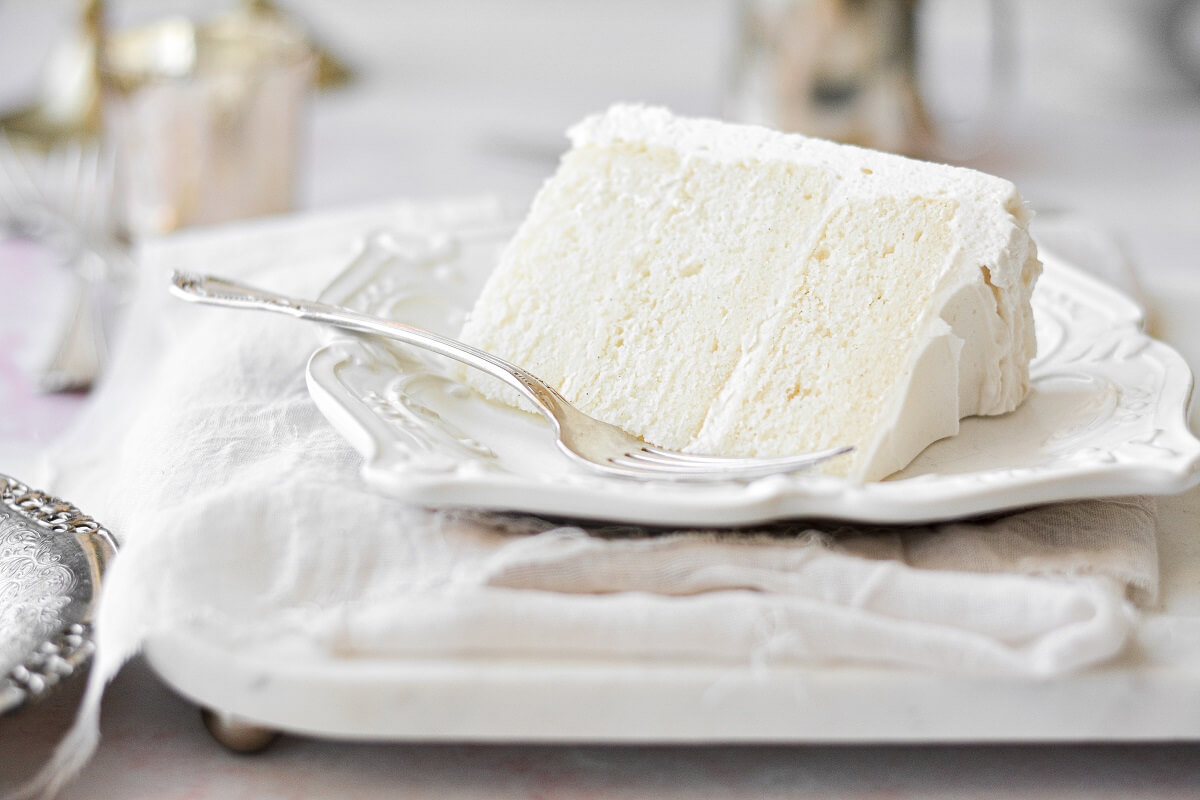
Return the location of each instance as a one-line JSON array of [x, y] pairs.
[[235, 734]]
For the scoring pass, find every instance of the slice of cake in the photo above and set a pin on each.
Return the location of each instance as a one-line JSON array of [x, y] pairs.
[[731, 290]]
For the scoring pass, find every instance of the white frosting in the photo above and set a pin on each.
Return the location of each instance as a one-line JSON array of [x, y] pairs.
[[974, 338]]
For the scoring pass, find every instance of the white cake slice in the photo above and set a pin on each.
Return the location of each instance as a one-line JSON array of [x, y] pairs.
[[727, 289]]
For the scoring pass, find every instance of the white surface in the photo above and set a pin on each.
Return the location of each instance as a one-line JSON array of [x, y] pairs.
[[458, 97], [1150, 693], [155, 748], [1105, 415], [292, 686]]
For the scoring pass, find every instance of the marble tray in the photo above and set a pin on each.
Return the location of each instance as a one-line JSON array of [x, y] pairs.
[[1151, 693], [287, 683]]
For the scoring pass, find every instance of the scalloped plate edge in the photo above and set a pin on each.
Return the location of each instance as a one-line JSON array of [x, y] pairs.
[[907, 499]]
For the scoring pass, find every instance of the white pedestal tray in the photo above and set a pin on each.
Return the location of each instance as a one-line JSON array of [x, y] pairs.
[[1110, 419]]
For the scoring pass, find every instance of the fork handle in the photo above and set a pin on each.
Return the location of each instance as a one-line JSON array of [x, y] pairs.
[[215, 291]]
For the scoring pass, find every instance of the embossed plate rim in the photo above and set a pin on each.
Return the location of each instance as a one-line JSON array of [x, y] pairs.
[[67, 648], [1168, 462]]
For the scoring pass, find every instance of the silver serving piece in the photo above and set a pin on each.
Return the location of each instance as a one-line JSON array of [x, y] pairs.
[[596, 445], [52, 560]]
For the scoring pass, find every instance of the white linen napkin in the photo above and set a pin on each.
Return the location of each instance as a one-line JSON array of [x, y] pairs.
[[241, 512]]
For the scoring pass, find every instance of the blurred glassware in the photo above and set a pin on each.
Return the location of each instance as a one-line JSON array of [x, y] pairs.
[[206, 119], [63, 199], [67, 105], [847, 70], [331, 70]]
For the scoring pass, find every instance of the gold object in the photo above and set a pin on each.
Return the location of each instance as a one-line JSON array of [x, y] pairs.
[[68, 105], [235, 733], [331, 71], [205, 119]]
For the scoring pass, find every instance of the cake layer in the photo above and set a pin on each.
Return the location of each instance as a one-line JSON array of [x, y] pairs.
[[732, 290]]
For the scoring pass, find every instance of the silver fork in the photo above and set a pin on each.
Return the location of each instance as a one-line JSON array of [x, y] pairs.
[[597, 445]]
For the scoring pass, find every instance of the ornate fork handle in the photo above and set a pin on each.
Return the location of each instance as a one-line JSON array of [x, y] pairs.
[[218, 291]]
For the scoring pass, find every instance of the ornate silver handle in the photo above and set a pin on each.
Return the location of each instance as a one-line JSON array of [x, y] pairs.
[[221, 292]]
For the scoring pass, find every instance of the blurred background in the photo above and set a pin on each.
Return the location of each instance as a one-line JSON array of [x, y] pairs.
[[464, 96], [1092, 107]]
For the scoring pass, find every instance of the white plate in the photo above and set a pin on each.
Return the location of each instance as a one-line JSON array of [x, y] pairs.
[[1105, 417]]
